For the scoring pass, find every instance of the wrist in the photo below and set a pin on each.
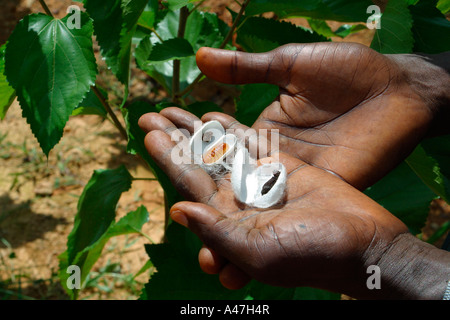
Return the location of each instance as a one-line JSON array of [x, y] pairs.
[[411, 269], [428, 77]]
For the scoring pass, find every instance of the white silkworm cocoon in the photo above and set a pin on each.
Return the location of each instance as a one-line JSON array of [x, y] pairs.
[[260, 187], [211, 145]]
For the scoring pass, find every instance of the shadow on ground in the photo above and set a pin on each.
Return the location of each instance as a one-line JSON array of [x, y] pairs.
[[19, 224]]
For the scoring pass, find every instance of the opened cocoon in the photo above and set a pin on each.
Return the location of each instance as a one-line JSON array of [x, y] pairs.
[[258, 186]]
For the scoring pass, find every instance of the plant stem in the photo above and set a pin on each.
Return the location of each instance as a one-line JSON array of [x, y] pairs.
[[175, 80], [111, 113], [190, 87], [156, 34], [152, 30], [184, 13], [146, 179], [45, 7], [234, 25], [228, 37], [439, 233], [196, 6], [146, 237]]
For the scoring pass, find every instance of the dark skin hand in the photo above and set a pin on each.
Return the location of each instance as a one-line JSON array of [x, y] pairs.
[[342, 107], [324, 234], [323, 222]]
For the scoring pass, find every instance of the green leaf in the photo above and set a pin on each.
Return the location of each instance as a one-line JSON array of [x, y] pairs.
[[131, 223], [348, 10], [444, 6], [403, 194], [7, 94], [261, 291], [52, 68], [253, 100], [346, 29], [337, 10], [178, 273], [142, 53], [431, 29], [202, 29], [95, 216], [305, 293], [394, 35], [177, 4], [321, 27], [431, 162], [97, 207], [92, 105], [148, 264], [259, 34], [115, 22], [148, 17], [283, 8], [176, 48]]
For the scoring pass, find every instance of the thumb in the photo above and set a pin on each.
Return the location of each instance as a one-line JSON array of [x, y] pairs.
[[235, 67], [212, 227]]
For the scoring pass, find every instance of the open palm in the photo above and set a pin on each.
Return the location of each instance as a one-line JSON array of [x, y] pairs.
[[322, 222]]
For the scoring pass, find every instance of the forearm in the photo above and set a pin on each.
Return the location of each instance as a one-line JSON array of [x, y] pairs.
[[413, 269]]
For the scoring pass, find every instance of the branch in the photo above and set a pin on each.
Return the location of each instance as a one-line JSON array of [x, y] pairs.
[[184, 13], [234, 25], [144, 179], [228, 37], [190, 87], [151, 30], [108, 109], [46, 9], [196, 6]]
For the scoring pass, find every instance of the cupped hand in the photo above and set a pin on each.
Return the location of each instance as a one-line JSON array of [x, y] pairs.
[[323, 234], [342, 107]]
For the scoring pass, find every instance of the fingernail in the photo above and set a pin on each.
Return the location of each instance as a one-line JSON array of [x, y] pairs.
[[179, 217]]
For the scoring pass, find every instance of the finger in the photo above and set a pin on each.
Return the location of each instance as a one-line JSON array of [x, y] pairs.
[[188, 178], [231, 125], [210, 261], [182, 118], [203, 220], [256, 141], [156, 121], [228, 122], [236, 67], [223, 235], [233, 278]]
